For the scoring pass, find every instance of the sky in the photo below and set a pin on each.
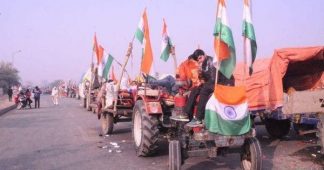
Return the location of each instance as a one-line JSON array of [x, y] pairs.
[[49, 40]]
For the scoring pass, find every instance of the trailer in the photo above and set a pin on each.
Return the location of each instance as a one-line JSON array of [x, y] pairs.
[[288, 88]]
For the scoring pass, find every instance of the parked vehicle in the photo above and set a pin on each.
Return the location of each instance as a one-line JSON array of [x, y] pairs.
[[110, 116], [287, 88]]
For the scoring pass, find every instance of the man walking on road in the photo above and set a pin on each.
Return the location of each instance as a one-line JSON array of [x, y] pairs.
[[9, 92], [37, 92], [55, 95]]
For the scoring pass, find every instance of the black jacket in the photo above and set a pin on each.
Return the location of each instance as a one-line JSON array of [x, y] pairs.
[[208, 70], [208, 73]]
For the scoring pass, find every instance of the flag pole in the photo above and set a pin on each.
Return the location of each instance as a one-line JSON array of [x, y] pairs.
[[174, 59], [244, 53], [118, 63], [91, 81], [129, 51], [218, 51], [244, 62]]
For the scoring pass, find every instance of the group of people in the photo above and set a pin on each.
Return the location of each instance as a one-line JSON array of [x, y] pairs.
[[28, 94], [200, 73]]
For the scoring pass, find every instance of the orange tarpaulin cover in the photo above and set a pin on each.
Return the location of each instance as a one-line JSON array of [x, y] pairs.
[[300, 68]]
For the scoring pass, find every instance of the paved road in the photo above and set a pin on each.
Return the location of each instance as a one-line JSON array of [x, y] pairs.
[[66, 137]]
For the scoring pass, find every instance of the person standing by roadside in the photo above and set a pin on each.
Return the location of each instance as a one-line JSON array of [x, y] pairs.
[[28, 96], [55, 95], [10, 92], [37, 92]]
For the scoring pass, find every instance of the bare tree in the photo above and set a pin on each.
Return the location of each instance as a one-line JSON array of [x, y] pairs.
[[8, 75]]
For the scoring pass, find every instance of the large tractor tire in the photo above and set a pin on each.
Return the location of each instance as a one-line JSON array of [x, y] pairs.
[[107, 123], [145, 131], [320, 126], [277, 128], [251, 156], [174, 155]]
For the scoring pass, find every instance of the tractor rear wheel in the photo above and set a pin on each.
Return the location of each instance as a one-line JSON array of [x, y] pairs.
[[107, 123], [145, 131]]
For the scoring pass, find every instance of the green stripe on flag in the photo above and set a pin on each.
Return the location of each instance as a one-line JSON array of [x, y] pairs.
[[165, 54], [227, 66], [139, 35], [248, 32], [107, 66], [215, 124], [225, 33]]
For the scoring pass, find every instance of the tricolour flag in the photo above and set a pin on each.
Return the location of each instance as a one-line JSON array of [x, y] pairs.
[[96, 48], [100, 59], [166, 43], [227, 112], [108, 64], [250, 45], [143, 35], [223, 42]]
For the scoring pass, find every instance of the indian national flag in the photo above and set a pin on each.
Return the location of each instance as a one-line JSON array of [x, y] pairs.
[[250, 45], [96, 48], [227, 112], [223, 42], [166, 43], [100, 60], [108, 62], [143, 35]]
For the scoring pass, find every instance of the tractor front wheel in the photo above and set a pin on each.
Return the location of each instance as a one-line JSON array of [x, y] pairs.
[[251, 156]]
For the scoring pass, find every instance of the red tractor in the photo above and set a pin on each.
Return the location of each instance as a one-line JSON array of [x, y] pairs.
[[154, 114]]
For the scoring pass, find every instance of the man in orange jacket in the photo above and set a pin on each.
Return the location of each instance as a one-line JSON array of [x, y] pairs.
[[188, 71]]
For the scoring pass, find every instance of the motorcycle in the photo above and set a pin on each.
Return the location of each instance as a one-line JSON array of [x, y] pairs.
[[21, 101]]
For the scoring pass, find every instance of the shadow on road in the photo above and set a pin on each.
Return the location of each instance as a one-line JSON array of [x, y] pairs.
[[310, 154]]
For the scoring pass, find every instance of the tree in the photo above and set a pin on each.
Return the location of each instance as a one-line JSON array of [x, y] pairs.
[[8, 75]]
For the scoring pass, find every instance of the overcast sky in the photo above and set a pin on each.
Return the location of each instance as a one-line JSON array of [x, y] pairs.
[[55, 37]]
